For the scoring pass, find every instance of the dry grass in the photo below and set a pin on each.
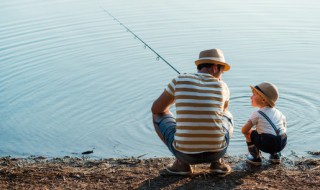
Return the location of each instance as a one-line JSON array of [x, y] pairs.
[[78, 173]]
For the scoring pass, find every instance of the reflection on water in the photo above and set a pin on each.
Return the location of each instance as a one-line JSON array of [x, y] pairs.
[[72, 79]]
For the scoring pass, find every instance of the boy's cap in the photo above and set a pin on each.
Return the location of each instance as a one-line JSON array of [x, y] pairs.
[[214, 56], [268, 91]]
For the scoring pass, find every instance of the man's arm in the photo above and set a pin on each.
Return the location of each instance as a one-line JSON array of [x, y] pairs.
[[225, 106], [163, 103]]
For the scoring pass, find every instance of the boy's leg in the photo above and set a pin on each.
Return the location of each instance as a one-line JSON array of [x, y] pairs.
[[248, 136], [255, 156], [275, 158], [253, 150]]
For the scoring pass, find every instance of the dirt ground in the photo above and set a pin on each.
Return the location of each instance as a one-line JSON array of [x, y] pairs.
[[133, 173]]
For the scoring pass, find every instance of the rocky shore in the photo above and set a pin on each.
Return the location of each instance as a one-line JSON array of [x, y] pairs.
[[134, 173]]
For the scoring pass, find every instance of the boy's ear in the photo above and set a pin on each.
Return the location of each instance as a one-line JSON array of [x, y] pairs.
[[265, 101]]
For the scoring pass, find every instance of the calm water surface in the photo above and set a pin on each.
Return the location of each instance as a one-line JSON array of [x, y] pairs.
[[72, 79]]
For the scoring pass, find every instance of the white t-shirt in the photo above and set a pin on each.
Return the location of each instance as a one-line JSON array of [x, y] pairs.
[[263, 126]]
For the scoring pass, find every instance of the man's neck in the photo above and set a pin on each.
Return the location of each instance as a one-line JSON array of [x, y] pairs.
[[206, 71]]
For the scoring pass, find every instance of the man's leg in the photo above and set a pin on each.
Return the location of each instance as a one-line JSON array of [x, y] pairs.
[[164, 125], [155, 118], [218, 165], [227, 123]]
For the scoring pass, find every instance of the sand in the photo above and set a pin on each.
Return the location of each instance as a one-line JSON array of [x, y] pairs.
[[134, 173]]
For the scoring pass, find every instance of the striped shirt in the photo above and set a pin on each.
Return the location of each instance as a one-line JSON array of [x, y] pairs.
[[199, 100]]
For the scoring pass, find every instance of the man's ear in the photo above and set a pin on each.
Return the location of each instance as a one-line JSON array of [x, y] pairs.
[[215, 68]]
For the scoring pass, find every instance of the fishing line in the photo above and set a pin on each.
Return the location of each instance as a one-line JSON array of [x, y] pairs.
[[145, 44]]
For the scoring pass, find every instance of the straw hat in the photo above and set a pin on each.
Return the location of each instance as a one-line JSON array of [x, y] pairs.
[[268, 91], [212, 56]]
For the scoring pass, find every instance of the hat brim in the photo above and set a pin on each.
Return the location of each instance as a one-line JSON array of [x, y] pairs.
[[202, 61], [271, 103]]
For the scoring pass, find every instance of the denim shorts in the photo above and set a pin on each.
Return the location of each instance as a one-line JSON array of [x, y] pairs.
[[166, 125], [268, 143]]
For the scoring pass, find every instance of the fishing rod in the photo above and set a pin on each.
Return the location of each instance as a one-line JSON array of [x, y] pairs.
[[145, 44]]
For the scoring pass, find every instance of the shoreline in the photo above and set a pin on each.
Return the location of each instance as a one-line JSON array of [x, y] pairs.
[[136, 173]]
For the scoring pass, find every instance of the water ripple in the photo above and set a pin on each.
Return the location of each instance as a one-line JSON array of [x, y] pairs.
[[73, 79]]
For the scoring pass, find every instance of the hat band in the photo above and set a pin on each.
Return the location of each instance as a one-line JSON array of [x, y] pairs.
[[213, 58], [257, 87]]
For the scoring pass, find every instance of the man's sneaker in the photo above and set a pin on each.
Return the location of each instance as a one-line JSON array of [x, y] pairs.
[[179, 168], [275, 158], [255, 161], [220, 167]]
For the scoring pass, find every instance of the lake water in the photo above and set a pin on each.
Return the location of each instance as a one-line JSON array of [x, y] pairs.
[[72, 79]]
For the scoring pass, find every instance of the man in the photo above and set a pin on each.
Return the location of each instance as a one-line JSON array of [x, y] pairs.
[[200, 132]]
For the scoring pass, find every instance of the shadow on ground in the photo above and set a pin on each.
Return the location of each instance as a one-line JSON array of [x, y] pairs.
[[204, 180]]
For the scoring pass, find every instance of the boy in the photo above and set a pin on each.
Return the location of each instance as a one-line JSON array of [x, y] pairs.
[[270, 133]]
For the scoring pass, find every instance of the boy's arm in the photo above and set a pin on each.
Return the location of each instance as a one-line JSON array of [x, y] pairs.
[[247, 127]]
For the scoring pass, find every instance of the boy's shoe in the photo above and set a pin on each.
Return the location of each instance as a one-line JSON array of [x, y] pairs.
[[179, 168], [255, 161], [220, 167], [275, 158]]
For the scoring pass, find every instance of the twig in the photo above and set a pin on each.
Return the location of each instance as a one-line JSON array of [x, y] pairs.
[[315, 168], [141, 155]]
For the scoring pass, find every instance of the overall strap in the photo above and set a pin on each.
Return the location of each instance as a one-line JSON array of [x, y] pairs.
[[271, 123]]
